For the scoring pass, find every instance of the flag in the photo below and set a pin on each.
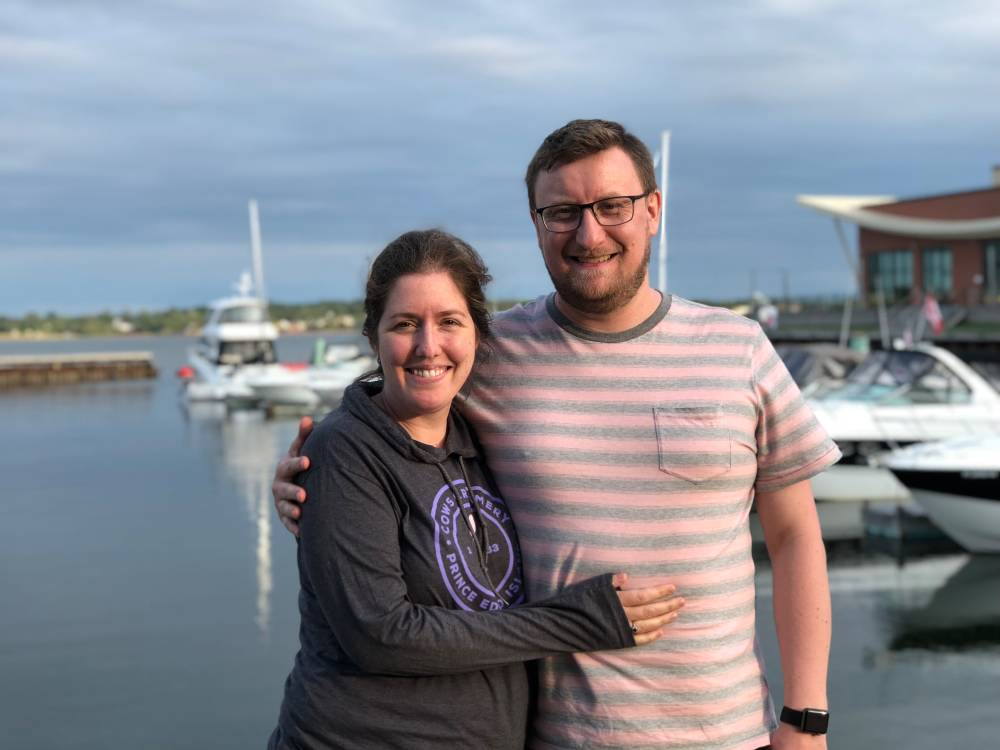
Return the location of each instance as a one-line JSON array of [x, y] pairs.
[[932, 314]]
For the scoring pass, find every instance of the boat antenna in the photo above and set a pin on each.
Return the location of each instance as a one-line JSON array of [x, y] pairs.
[[258, 261]]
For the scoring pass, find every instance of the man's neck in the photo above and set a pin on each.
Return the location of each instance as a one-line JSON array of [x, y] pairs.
[[633, 313]]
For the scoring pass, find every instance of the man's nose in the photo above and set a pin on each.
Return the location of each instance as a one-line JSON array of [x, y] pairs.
[[590, 233]]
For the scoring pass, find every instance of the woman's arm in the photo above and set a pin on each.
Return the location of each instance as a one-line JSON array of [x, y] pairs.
[[349, 552]]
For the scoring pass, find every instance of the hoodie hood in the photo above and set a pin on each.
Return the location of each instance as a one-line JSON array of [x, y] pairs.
[[458, 440]]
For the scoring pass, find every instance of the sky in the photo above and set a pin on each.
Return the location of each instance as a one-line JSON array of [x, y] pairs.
[[132, 134]]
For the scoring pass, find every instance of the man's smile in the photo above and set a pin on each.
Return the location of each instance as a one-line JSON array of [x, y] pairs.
[[590, 261]]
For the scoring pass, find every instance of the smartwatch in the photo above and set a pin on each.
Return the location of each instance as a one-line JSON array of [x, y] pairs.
[[808, 720]]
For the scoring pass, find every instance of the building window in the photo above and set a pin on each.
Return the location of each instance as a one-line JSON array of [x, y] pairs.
[[936, 263], [991, 272], [891, 272]]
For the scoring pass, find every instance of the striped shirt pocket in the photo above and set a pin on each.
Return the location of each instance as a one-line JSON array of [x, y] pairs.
[[694, 442]]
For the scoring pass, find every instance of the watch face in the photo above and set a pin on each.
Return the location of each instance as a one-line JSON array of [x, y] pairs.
[[815, 721]]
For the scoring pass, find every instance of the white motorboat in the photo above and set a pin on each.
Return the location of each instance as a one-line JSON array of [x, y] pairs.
[[287, 385], [893, 399], [958, 483], [329, 381], [237, 340], [235, 361], [303, 386]]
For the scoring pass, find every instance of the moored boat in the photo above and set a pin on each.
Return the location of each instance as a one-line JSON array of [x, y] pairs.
[[893, 399], [235, 360], [958, 483]]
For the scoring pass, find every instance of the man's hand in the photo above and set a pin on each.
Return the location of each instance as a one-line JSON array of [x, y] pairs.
[[287, 495], [787, 737]]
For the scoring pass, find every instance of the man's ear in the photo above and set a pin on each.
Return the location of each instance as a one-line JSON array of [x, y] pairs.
[[654, 205], [539, 228]]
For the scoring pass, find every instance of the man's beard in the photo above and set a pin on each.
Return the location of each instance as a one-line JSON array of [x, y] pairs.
[[575, 291]]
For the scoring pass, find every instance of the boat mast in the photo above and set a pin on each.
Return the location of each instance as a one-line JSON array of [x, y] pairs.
[[664, 169], [258, 261]]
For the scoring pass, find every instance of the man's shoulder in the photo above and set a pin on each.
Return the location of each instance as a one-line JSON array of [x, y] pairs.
[[523, 316], [689, 313]]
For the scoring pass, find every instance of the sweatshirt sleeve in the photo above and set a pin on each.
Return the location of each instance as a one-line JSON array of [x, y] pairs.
[[349, 553]]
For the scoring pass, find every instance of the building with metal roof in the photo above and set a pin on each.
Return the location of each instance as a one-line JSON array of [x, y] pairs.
[[947, 245]]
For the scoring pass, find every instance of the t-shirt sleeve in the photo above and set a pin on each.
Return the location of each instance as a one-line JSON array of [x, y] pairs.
[[349, 555], [791, 444]]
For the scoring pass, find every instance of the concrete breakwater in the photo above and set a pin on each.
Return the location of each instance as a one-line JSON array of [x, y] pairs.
[[26, 371]]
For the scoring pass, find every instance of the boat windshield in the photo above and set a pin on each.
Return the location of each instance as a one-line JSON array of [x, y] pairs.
[[247, 353], [989, 369], [801, 364], [902, 378], [252, 313]]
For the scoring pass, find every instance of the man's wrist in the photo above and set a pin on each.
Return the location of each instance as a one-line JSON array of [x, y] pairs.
[[808, 720]]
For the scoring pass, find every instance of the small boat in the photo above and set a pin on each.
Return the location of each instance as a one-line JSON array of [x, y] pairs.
[[235, 360], [958, 483], [893, 399]]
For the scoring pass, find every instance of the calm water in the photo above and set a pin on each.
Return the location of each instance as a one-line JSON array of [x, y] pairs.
[[149, 594]]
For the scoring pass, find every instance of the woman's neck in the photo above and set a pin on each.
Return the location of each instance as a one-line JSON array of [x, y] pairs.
[[430, 429]]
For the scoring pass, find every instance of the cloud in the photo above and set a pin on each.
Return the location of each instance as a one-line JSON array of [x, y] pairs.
[[148, 125], [507, 57]]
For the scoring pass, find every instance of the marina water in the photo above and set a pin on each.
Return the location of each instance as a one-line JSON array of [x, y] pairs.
[[149, 592]]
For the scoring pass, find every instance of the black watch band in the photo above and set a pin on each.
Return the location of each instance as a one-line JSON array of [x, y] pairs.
[[809, 720]]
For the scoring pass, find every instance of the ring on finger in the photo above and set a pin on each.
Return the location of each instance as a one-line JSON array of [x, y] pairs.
[[635, 628]]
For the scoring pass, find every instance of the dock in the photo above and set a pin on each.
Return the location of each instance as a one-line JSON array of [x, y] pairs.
[[34, 371]]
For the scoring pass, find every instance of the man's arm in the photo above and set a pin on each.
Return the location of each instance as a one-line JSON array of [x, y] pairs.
[[801, 603], [287, 495]]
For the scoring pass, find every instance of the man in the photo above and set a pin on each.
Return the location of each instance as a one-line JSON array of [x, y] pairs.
[[631, 431]]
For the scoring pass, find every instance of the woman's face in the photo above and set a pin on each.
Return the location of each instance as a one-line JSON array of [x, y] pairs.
[[427, 343]]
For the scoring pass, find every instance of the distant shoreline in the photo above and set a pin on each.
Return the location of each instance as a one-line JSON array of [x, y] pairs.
[[43, 336]]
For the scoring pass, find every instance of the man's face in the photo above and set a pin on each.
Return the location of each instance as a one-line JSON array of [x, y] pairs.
[[597, 269]]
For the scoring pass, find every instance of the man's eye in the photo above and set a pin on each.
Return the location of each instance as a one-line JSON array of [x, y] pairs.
[[561, 213], [615, 206]]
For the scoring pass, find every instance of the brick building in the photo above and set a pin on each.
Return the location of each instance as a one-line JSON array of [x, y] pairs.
[[948, 245]]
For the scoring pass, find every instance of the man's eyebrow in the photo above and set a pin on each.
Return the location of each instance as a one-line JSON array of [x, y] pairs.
[[568, 202]]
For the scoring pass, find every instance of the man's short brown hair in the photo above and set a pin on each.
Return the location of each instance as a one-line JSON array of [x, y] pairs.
[[578, 139]]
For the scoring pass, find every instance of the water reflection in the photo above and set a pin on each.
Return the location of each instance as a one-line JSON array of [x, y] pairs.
[[962, 614], [248, 445]]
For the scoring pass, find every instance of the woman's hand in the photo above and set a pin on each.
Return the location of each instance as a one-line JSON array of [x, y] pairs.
[[648, 609]]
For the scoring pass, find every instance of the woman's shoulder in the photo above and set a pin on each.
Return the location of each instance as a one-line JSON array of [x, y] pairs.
[[336, 432]]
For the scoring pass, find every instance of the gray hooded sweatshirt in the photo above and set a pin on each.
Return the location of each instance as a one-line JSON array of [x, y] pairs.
[[414, 625]]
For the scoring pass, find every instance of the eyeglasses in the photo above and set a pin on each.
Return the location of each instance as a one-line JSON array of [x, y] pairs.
[[609, 212]]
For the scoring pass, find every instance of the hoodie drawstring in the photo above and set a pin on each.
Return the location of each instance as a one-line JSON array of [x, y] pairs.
[[474, 521]]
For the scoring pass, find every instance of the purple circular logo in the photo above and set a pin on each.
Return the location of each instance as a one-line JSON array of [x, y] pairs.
[[469, 585]]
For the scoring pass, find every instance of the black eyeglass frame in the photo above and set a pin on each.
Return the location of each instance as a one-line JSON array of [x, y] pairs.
[[583, 206]]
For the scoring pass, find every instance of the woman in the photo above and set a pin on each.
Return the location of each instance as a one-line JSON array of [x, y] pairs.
[[409, 566]]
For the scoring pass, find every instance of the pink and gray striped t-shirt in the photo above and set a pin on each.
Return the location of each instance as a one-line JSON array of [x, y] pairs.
[[640, 452]]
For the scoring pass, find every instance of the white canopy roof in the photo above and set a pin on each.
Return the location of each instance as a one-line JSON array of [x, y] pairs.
[[857, 210]]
